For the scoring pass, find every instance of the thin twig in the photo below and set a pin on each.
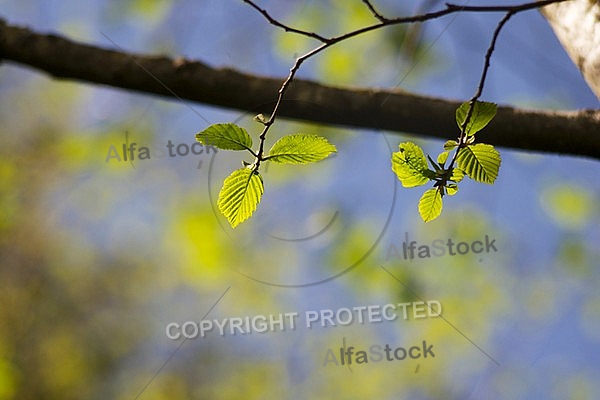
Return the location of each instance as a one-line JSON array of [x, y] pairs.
[[374, 11], [280, 94], [515, 8], [479, 91], [287, 28], [383, 22], [450, 9]]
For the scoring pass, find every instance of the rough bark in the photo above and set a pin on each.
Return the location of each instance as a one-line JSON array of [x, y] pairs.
[[565, 132]]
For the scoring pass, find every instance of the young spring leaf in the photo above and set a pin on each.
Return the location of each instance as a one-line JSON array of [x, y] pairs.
[[457, 175], [430, 205], [240, 195], [442, 157], [450, 144], [480, 161], [451, 189], [483, 113], [300, 149], [226, 137], [410, 165]]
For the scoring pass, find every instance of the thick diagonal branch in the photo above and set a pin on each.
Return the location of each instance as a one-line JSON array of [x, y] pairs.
[[544, 131]]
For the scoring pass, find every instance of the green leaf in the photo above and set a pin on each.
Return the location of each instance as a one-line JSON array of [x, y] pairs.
[[451, 189], [442, 157], [226, 137], [450, 144], [300, 149], [483, 113], [457, 175], [480, 161], [410, 165], [240, 195], [430, 205]]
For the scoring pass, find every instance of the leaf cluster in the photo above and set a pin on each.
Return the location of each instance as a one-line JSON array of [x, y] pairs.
[[242, 190], [480, 162]]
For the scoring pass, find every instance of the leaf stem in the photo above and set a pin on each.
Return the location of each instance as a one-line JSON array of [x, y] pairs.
[[486, 66]]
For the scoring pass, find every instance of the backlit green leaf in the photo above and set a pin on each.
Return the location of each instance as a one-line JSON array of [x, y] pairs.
[[451, 189], [410, 165], [442, 157], [226, 137], [450, 144], [480, 161], [240, 195], [457, 175], [430, 205], [483, 113], [300, 149]]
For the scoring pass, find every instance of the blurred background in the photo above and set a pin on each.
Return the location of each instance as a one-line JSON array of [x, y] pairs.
[[98, 256]]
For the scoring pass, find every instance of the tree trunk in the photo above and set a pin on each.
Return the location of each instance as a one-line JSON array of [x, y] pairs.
[[577, 26]]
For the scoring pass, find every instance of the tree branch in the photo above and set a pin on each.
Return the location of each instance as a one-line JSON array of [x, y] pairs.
[[562, 132], [286, 28], [384, 22], [374, 11]]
